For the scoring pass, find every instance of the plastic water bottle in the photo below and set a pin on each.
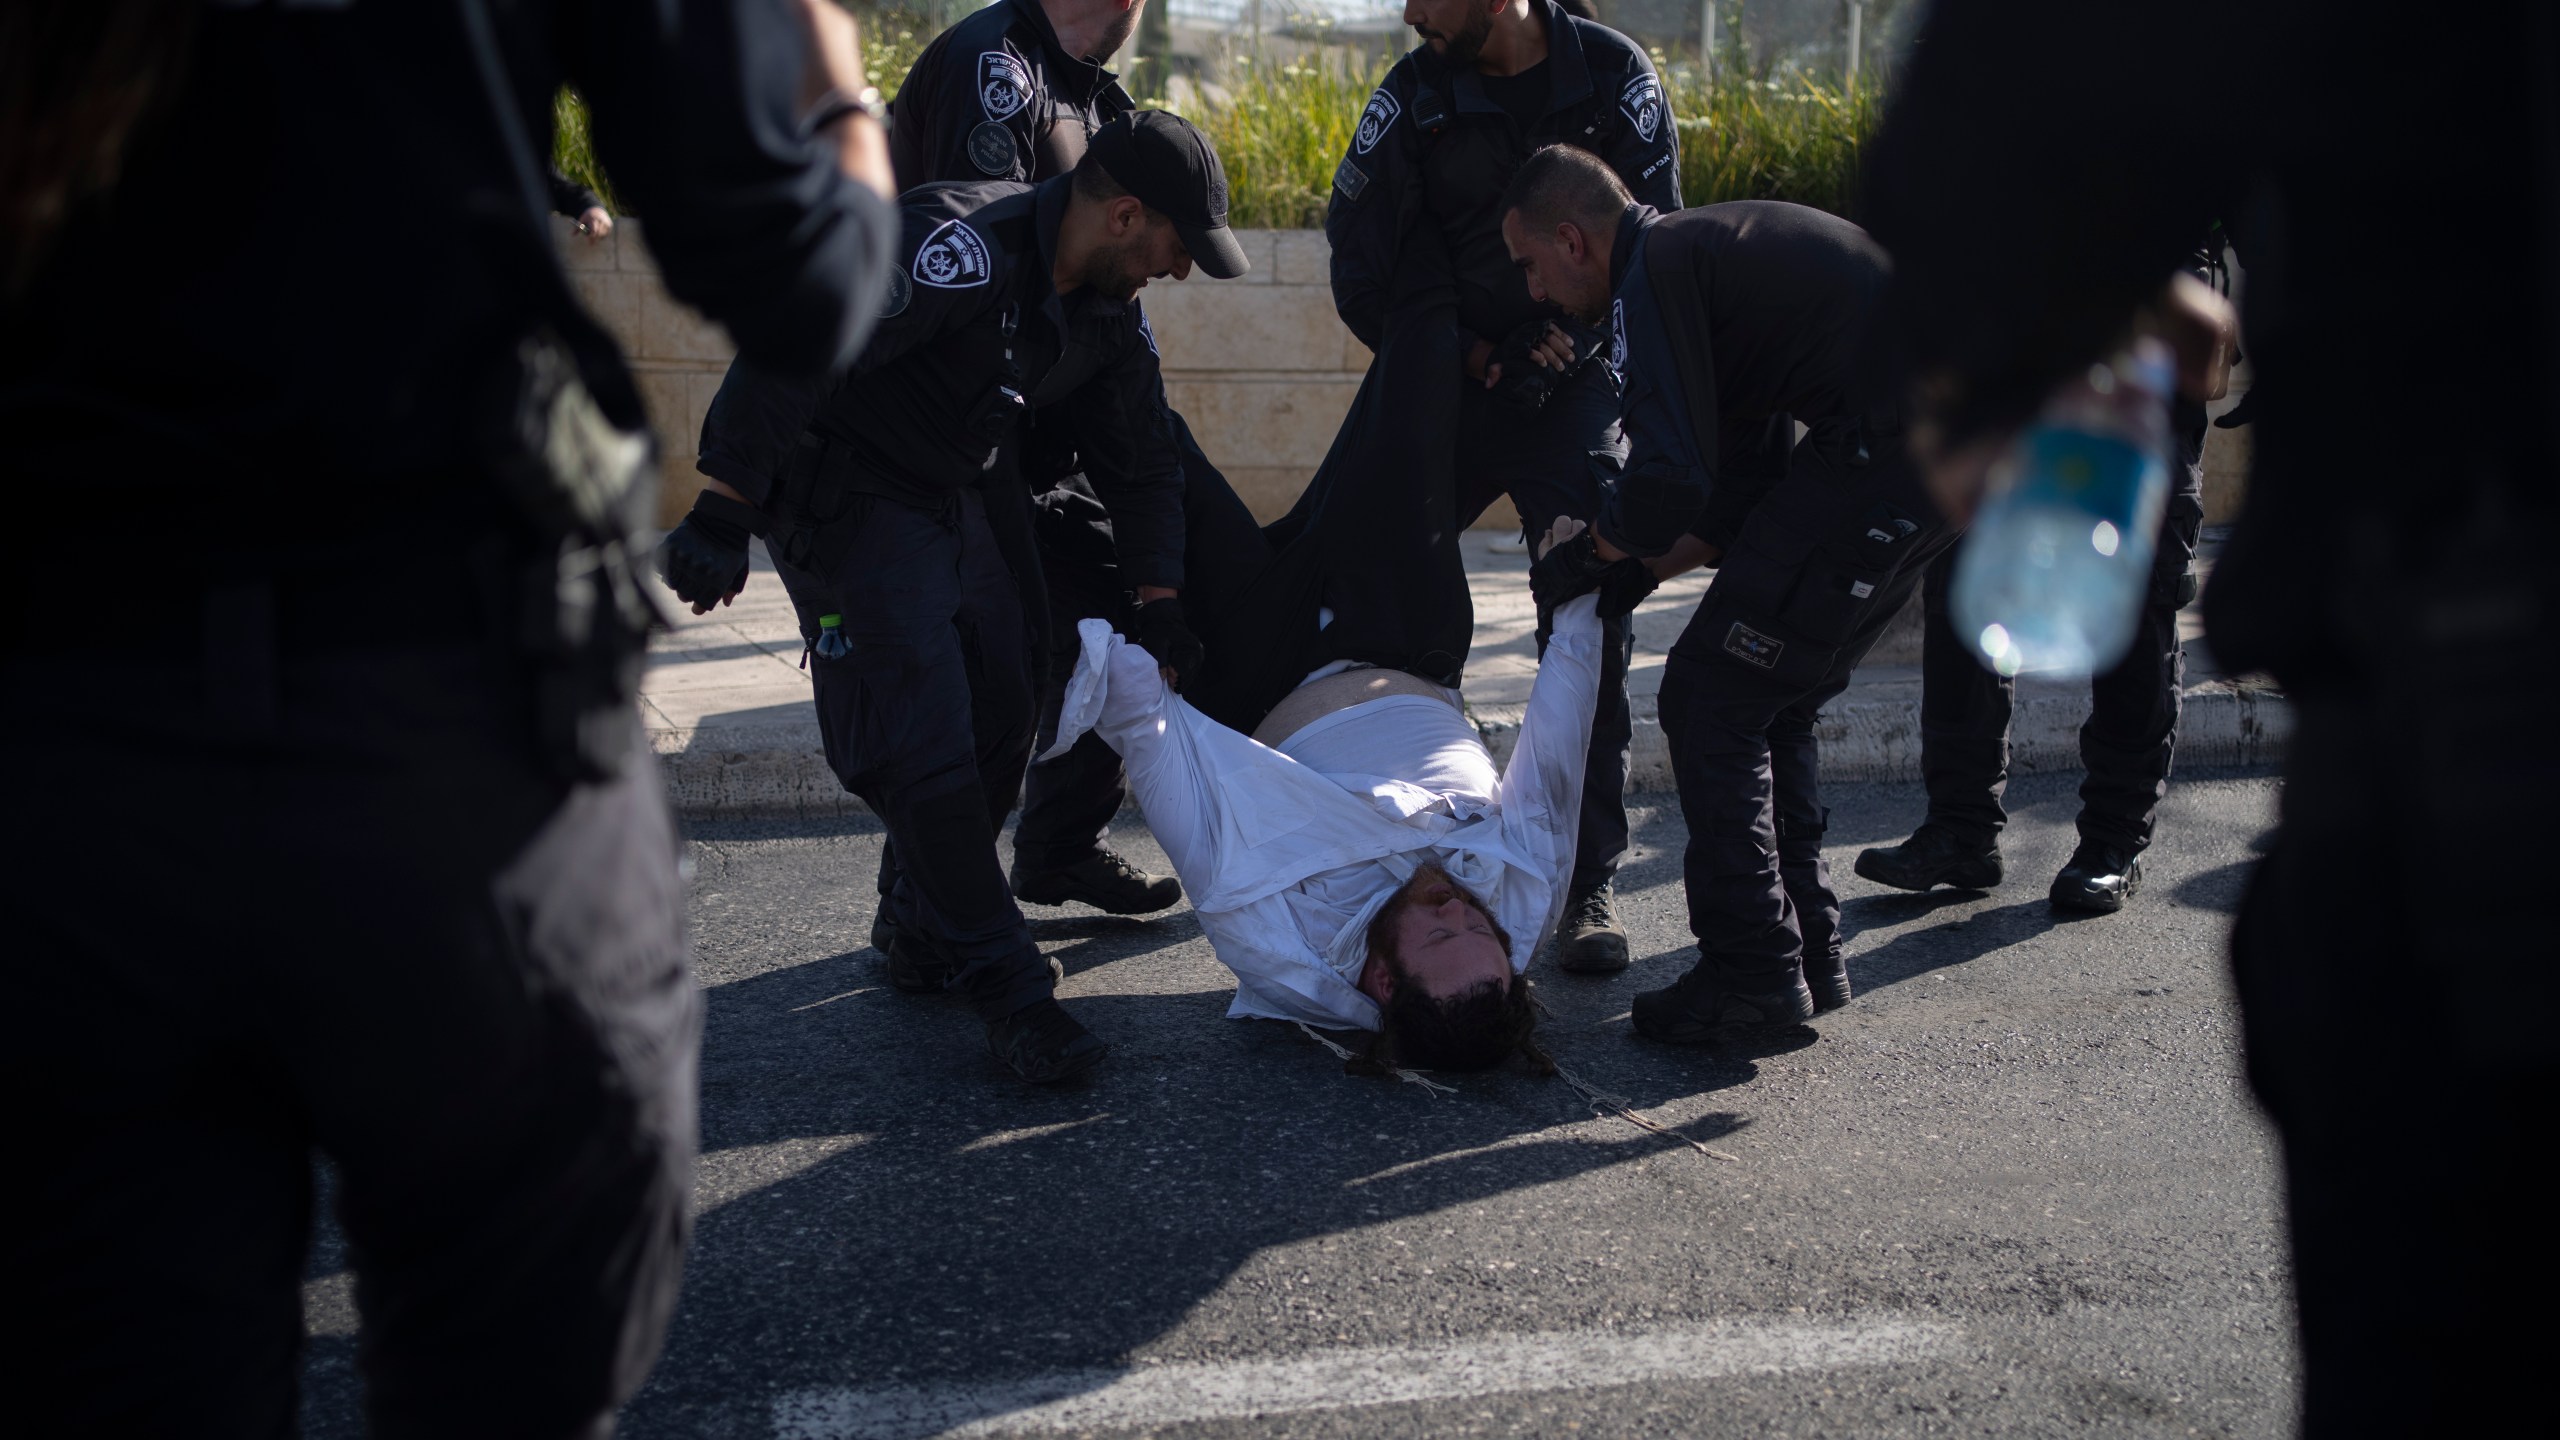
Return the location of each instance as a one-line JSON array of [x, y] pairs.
[[2052, 575]]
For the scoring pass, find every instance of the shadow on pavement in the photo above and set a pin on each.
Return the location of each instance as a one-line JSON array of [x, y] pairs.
[[1958, 942], [2218, 889], [882, 1207]]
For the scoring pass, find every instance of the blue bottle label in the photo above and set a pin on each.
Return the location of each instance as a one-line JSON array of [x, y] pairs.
[[2098, 474]]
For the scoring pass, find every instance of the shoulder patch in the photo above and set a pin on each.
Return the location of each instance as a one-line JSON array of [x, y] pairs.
[[901, 290], [1642, 102], [953, 258], [1380, 114], [1004, 86], [991, 149], [1618, 336], [1350, 179]]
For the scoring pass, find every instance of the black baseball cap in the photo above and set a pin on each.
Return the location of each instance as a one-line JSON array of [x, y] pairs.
[[1172, 168]]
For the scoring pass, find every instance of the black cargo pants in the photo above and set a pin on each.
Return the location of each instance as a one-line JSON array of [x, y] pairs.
[[928, 719], [300, 881], [2132, 732], [1545, 463], [1813, 578]]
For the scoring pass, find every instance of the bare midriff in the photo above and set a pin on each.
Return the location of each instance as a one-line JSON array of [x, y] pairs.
[[1318, 698]]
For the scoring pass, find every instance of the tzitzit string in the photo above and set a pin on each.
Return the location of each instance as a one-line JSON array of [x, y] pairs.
[[1603, 1103]]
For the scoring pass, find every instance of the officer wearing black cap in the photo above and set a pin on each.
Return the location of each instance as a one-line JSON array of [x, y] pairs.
[[1015, 91], [1492, 81], [1734, 323], [872, 495], [345, 841]]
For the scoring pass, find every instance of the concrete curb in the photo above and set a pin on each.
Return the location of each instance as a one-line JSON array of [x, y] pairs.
[[780, 769]]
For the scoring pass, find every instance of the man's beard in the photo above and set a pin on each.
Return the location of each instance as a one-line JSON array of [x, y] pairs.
[[1112, 39], [1113, 273], [1467, 44]]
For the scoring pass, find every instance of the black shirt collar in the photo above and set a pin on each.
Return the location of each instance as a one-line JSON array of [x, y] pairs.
[[1632, 223]]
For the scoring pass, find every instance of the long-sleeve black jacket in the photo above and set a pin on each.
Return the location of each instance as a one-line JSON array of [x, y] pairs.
[[995, 98], [976, 262], [1788, 294], [283, 350], [1432, 142]]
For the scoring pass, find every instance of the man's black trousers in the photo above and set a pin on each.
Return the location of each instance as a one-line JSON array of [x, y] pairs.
[[928, 716], [1544, 460], [2132, 732], [294, 879], [2382, 1013], [1813, 578]]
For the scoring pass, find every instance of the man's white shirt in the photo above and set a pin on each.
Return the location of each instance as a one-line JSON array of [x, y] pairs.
[[1287, 859]]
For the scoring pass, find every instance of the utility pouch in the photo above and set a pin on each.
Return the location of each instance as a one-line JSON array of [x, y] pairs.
[[558, 426], [581, 483], [996, 414]]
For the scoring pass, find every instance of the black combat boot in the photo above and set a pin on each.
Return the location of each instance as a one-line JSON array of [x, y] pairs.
[[916, 965], [884, 931], [2099, 878], [1589, 942], [1102, 880], [1934, 855], [1827, 976], [1043, 1044], [1699, 1010]]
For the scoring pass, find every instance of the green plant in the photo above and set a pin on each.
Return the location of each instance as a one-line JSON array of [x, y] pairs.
[[573, 147], [1791, 137], [1280, 131]]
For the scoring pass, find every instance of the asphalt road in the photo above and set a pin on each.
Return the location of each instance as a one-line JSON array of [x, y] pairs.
[[2016, 1188]]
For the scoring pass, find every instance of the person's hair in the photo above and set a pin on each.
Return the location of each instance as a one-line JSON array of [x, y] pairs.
[[1475, 1029], [1562, 184], [1092, 182], [77, 80]]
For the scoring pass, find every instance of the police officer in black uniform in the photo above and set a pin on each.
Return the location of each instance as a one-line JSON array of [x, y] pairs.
[[1015, 92], [2391, 567], [878, 497], [1735, 323], [1492, 81], [2126, 746], [345, 838]]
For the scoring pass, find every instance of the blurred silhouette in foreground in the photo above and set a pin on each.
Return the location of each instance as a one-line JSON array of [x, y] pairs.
[[2042, 172]]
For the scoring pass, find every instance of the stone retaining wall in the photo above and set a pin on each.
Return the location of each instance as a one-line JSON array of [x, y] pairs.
[[1260, 367]]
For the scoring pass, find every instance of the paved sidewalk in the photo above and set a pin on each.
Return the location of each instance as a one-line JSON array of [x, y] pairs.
[[727, 704]]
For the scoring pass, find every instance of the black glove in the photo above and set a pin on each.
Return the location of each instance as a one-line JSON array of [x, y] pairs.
[[1571, 568], [1164, 633], [1526, 383], [704, 559], [1625, 587]]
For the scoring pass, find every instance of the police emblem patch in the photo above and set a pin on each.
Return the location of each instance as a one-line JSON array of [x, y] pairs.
[[1618, 336], [1350, 179], [991, 148], [1753, 648], [952, 258], [1642, 102], [901, 290], [1004, 86], [1374, 120]]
